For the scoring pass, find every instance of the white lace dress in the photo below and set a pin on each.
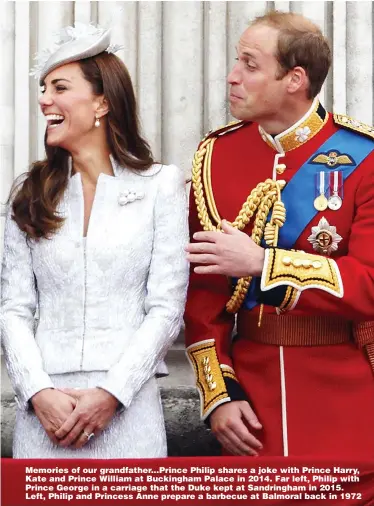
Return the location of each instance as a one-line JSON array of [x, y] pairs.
[[137, 432], [109, 308]]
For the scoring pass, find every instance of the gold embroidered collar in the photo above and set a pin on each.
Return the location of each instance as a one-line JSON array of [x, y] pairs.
[[299, 133]]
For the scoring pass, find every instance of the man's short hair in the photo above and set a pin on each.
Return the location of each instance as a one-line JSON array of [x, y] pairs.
[[300, 44]]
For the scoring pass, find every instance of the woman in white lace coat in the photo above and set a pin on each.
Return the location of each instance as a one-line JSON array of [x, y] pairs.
[[94, 243]]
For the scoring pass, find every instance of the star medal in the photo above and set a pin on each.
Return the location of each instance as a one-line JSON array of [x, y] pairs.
[[324, 237], [320, 202], [335, 201]]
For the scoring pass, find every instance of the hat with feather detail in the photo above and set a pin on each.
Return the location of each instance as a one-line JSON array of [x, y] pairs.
[[74, 43]]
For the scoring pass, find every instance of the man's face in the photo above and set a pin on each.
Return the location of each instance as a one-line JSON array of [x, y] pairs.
[[255, 92]]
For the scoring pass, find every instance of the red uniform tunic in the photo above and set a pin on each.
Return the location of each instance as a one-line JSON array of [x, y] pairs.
[[324, 404]]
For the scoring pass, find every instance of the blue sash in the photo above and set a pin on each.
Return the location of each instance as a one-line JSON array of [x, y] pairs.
[[299, 193]]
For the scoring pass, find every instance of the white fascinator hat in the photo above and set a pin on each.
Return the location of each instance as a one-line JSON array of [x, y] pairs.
[[73, 43]]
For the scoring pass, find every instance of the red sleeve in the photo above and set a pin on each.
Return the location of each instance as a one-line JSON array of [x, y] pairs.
[[205, 316], [208, 333]]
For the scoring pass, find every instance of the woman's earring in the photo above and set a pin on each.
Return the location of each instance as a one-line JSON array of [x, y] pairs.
[[97, 123]]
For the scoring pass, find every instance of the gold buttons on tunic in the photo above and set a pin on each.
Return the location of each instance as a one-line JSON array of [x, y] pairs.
[[301, 262], [287, 260], [280, 168], [306, 264]]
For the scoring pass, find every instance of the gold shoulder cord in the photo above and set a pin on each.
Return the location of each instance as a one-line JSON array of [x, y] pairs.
[[262, 199], [353, 124]]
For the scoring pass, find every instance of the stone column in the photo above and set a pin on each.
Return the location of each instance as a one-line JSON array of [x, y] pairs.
[[149, 73], [339, 63], [182, 81], [83, 12], [123, 17], [22, 88], [215, 61], [7, 21], [360, 60], [50, 18]]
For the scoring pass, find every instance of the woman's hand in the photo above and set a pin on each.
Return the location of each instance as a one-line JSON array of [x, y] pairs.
[[94, 410], [53, 408]]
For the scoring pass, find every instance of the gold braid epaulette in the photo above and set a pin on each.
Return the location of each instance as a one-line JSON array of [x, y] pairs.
[[353, 124], [233, 125], [261, 200]]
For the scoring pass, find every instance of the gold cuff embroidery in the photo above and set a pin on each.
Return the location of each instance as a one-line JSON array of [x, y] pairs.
[[301, 271], [290, 300], [209, 376], [228, 372], [354, 124]]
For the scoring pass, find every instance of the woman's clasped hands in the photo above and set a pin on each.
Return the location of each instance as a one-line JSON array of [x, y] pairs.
[[71, 417]]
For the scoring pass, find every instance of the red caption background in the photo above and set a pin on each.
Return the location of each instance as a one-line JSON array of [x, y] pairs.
[[191, 481]]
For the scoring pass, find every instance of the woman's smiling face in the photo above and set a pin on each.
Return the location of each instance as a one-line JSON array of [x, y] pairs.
[[69, 106]]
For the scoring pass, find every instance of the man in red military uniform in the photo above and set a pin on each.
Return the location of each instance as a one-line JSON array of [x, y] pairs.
[[295, 260]]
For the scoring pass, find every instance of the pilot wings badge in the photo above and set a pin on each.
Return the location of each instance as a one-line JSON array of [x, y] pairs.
[[333, 159], [324, 237]]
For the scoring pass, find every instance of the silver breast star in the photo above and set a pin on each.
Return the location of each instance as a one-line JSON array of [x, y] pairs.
[[324, 237]]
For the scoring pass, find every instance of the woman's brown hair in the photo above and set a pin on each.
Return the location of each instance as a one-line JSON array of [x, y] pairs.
[[35, 200]]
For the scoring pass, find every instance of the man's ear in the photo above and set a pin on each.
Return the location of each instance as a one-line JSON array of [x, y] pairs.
[[298, 80], [102, 107]]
